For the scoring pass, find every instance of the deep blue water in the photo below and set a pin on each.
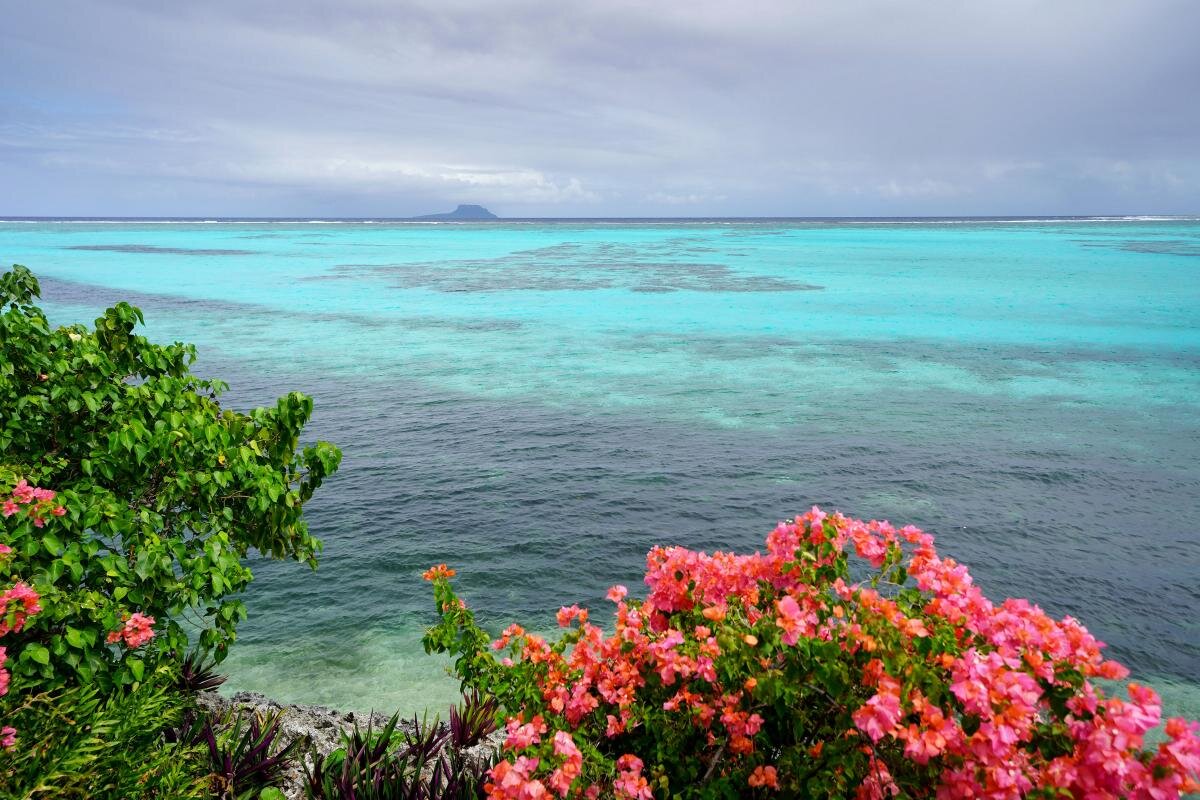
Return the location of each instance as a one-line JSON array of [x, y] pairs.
[[538, 403]]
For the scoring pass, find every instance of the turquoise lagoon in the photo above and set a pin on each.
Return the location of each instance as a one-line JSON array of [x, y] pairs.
[[538, 402]]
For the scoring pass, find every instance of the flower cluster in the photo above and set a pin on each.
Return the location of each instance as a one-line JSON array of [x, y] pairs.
[[136, 629], [438, 571], [38, 503], [777, 673], [17, 605], [20, 601]]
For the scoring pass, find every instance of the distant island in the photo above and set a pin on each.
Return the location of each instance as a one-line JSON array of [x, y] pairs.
[[462, 212]]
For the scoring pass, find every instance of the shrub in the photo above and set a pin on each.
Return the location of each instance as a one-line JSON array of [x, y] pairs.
[[365, 766], [80, 743], [197, 674], [244, 755], [395, 764], [776, 673], [472, 719], [162, 493]]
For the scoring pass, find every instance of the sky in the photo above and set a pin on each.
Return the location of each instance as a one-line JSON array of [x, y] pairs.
[[569, 108]]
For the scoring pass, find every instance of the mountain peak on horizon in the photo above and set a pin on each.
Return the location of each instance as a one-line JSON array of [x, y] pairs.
[[464, 211]]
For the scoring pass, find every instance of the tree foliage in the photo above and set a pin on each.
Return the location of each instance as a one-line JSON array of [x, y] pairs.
[[165, 492]]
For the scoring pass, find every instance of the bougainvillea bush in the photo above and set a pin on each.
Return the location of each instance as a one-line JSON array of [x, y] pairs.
[[777, 674], [131, 497]]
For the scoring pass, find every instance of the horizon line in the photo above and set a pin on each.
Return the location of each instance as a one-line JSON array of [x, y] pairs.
[[1128, 216]]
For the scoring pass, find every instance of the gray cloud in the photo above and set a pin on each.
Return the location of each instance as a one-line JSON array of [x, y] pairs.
[[367, 107]]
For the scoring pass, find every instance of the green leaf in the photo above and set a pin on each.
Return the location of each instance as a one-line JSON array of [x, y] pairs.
[[36, 652], [51, 542], [74, 637]]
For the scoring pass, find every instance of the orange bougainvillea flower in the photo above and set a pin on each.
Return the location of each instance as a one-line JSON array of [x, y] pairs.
[[765, 777], [438, 571]]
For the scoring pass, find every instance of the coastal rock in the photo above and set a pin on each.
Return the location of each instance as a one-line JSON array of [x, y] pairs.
[[483, 755]]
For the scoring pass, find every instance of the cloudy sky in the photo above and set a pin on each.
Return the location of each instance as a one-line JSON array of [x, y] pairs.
[[599, 107]]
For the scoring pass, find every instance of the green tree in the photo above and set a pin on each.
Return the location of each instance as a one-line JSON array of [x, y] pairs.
[[165, 491]]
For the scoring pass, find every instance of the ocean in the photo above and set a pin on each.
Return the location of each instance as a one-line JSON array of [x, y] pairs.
[[538, 402]]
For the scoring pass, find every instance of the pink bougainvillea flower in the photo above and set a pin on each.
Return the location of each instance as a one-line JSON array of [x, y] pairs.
[[23, 492], [630, 785], [16, 605], [136, 630], [522, 735], [568, 613], [878, 716]]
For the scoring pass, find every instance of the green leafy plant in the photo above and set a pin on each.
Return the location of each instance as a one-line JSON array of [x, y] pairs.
[[78, 743], [423, 740], [363, 767], [163, 492], [197, 673], [473, 719], [244, 753], [395, 764]]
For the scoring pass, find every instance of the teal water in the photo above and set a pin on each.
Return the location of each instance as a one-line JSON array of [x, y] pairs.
[[538, 403]]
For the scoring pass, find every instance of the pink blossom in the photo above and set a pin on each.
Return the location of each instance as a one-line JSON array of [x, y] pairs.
[[568, 613], [23, 492], [511, 780], [630, 785], [524, 735], [878, 716], [796, 618], [17, 604], [136, 630]]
